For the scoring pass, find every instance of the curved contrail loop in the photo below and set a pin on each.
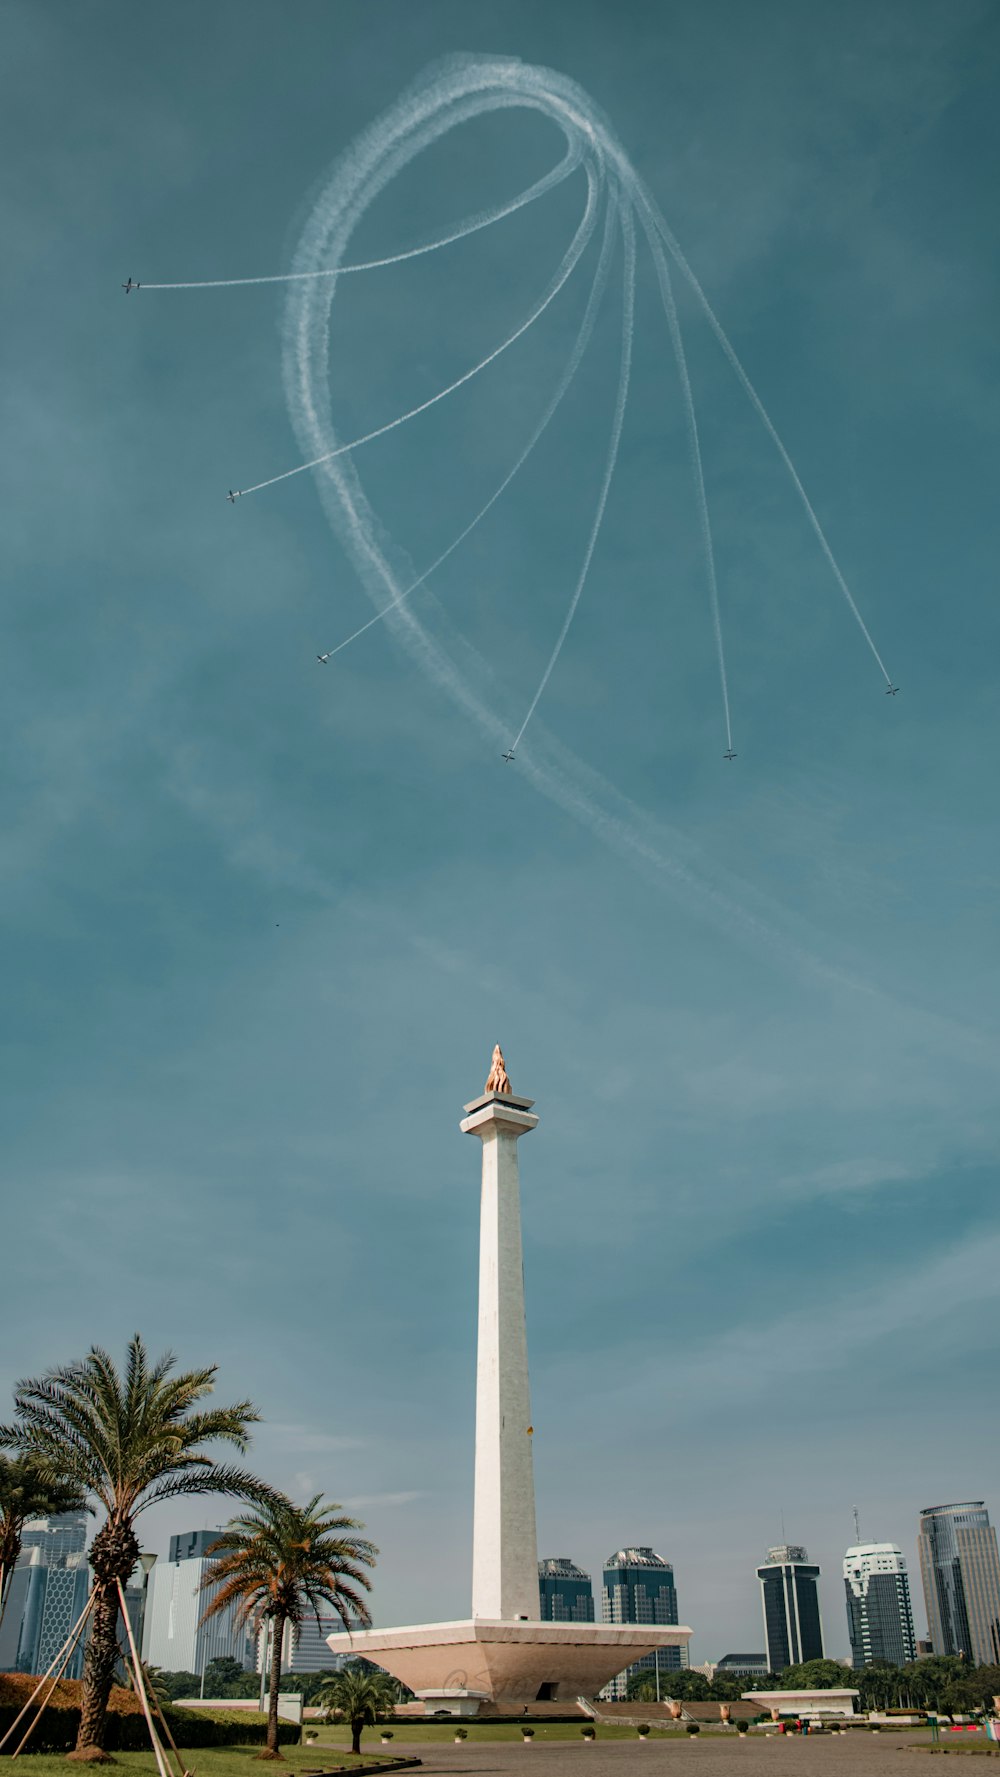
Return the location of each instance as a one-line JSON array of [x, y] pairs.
[[463, 88]]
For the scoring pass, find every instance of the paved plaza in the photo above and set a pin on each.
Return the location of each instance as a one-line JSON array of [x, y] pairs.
[[714, 1755]]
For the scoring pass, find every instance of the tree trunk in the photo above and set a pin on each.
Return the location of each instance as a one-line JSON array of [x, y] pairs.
[[356, 1726], [113, 1555], [278, 1631], [10, 1548], [98, 1674]]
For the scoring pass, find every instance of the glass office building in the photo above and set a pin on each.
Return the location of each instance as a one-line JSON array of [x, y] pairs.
[[639, 1588], [790, 1596], [565, 1592], [879, 1612], [960, 1570]]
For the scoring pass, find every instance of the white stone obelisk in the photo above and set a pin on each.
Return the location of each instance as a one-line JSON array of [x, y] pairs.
[[505, 1548]]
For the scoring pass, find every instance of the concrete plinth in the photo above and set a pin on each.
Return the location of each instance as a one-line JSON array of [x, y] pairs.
[[511, 1663]]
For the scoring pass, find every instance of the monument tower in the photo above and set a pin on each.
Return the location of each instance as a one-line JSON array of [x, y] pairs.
[[505, 1655], [504, 1547]]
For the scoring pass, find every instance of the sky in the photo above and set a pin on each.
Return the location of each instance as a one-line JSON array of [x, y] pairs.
[[265, 920]]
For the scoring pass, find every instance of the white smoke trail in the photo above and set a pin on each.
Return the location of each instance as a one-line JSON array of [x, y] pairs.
[[694, 442], [628, 325], [572, 366], [464, 88], [471, 225], [676, 254], [569, 261]]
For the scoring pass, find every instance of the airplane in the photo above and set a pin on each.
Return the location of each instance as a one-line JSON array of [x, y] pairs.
[[509, 755], [233, 497], [323, 658], [729, 755], [891, 691], [131, 285]]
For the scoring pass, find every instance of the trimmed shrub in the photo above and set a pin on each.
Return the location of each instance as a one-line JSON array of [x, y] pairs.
[[126, 1729], [589, 1733], [461, 1733], [693, 1727]]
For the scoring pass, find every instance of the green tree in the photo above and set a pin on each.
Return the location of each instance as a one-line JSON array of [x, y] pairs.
[[25, 1493], [815, 1675], [928, 1679], [361, 1695], [129, 1439], [281, 1562], [179, 1684], [728, 1687], [225, 1677], [683, 1686]]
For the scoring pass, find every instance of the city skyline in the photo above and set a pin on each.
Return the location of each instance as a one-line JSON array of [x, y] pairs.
[[837, 1644], [267, 917]]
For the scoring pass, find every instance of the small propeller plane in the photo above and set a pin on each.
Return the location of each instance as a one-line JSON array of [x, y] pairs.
[[323, 658], [891, 690], [508, 756], [233, 497], [131, 285], [729, 755]]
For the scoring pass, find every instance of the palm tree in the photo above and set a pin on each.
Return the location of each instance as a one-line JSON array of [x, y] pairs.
[[129, 1439], [25, 1494], [362, 1695], [154, 1683], [282, 1561]]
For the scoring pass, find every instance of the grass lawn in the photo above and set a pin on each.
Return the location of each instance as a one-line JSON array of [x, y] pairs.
[[211, 1761], [417, 1733]]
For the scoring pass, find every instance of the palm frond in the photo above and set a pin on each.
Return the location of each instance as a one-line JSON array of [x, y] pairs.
[[238, 1483]]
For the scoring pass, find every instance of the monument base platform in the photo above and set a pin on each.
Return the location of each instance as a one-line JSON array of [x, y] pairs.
[[453, 1667]]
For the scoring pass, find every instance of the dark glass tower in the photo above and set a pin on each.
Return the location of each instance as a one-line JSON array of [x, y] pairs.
[[639, 1588], [565, 1592], [960, 1569], [792, 1629]]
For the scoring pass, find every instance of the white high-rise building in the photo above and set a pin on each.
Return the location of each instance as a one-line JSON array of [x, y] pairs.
[[879, 1612], [174, 1637]]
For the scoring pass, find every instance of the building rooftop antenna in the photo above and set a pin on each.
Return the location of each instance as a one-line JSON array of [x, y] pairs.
[[857, 1525]]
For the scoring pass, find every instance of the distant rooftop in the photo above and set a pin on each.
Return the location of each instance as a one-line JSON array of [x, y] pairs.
[[872, 1549], [783, 1552], [640, 1557], [562, 1568]]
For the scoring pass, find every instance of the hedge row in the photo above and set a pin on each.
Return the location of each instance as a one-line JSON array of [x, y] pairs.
[[126, 1724]]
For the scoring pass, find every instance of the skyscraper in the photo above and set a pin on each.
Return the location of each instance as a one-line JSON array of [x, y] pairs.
[[174, 1637], [48, 1591], [960, 1569], [879, 1613], [565, 1592], [59, 1536], [792, 1628], [639, 1588]]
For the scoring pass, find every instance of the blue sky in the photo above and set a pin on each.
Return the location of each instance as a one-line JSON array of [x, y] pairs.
[[264, 922]]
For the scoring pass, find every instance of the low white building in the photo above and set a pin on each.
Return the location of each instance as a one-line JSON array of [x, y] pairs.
[[811, 1705]]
